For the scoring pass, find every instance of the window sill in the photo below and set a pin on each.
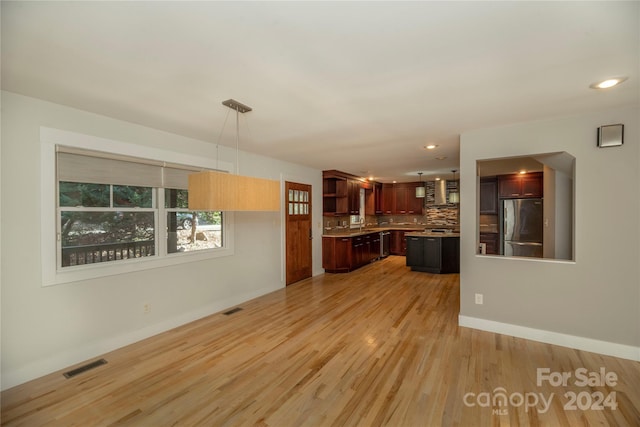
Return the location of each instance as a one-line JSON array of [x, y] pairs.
[[94, 271]]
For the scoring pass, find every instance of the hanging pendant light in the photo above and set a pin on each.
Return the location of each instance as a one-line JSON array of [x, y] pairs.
[[454, 196], [420, 189], [220, 191]]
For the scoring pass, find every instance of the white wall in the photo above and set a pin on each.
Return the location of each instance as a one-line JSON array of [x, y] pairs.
[[49, 328], [563, 216], [595, 299]]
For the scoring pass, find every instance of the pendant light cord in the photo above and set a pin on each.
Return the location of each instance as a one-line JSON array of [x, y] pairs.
[[237, 141], [219, 138]]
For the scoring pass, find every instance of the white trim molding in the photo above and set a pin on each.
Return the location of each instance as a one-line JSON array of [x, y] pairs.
[[571, 341], [54, 362], [51, 275]]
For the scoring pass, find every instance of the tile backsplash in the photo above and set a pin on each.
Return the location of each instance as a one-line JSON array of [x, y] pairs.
[[446, 216]]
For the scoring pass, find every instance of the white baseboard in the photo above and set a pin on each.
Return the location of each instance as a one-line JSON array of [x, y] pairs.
[[579, 343], [62, 360]]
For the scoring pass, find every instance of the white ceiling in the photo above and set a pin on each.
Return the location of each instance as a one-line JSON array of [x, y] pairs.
[[356, 86]]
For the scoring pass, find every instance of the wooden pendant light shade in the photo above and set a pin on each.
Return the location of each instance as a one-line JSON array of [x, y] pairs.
[[219, 191]]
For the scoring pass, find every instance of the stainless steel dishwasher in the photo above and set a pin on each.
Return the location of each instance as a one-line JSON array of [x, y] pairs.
[[385, 241]]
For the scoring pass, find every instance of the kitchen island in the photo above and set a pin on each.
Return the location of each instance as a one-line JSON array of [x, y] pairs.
[[431, 252]]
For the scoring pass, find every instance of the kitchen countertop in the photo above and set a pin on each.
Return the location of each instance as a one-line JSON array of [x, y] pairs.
[[430, 234], [411, 229]]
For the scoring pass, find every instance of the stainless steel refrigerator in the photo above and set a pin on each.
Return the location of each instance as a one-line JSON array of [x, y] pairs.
[[521, 228]]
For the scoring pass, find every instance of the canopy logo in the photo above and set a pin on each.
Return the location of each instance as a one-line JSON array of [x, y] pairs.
[[500, 401]]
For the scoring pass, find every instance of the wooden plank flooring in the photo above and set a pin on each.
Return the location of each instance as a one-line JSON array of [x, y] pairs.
[[379, 346]]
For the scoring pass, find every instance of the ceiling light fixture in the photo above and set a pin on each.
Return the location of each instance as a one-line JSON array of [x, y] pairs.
[[420, 190], [606, 84], [220, 191], [430, 146]]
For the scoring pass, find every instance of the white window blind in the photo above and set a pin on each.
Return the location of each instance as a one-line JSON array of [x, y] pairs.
[[76, 165]]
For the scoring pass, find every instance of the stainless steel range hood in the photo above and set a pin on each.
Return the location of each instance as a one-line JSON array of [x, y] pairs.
[[440, 192]]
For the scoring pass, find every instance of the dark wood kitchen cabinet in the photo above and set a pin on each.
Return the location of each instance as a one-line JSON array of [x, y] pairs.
[[415, 251], [358, 251], [340, 193], [520, 185], [388, 199], [489, 196], [397, 244], [414, 204], [377, 195], [336, 254], [433, 254], [335, 194], [492, 243], [354, 196], [375, 246], [344, 254], [401, 202], [400, 199]]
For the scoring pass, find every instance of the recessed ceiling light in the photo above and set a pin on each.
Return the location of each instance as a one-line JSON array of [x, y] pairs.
[[438, 178], [430, 146], [523, 172], [608, 83]]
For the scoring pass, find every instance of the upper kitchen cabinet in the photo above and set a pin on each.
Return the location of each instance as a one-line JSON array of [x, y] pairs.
[[489, 196], [377, 195], [353, 193], [414, 204], [401, 202], [520, 185], [388, 199], [400, 199], [373, 199], [335, 200], [340, 193]]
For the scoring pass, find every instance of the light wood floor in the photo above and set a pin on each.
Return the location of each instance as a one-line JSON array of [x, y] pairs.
[[378, 346]]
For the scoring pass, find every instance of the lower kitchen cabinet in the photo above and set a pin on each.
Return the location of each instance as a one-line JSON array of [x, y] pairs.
[[491, 241], [433, 254], [336, 254], [415, 251], [398, 244], [343, 254]]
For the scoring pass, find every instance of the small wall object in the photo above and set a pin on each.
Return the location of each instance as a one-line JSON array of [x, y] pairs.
[[610, 135]]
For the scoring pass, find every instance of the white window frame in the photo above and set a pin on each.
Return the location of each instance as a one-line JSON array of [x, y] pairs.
[[51, 274]]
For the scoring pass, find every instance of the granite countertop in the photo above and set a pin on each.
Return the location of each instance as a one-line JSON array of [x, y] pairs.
[[417, 229]]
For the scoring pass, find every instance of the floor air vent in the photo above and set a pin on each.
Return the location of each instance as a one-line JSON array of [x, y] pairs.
[[233, 310], [84, 368]]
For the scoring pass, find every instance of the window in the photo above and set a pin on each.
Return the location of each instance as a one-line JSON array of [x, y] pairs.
[[187, 230], [112, 213], [102, 218], [102, 222]]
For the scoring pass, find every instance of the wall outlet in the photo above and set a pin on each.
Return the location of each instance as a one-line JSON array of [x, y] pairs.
[[146, 308], [479, 299]]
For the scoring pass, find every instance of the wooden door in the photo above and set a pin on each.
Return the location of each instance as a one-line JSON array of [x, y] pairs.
[[298, 231]]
